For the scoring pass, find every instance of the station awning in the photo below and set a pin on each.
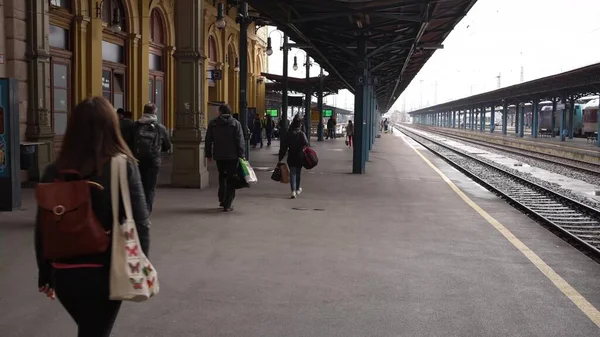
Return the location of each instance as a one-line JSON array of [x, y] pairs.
[[401, 35], [580, 82]]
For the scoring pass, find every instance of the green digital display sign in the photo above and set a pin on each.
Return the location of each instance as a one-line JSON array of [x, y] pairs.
[[272, 112], [327, 113]]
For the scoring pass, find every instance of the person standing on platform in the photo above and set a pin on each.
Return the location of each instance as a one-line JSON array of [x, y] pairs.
[[150, 139], [257, 127], [127, 126], [269, 127], [350, 133], [293, 144], [330, 128], [225, 144]]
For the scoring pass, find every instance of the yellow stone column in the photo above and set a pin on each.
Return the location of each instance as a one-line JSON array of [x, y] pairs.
[[189, 164], [170, 87], [135, 98], [80, 47], [143, 72], [94, 61]]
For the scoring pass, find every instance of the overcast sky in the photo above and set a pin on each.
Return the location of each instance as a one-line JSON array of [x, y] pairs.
[[496, 38]]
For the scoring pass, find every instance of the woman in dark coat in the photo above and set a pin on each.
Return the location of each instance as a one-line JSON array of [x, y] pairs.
[[82, 283], [293, 145]]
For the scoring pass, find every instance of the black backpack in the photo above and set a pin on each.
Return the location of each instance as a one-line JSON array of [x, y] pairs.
[[147, 141]]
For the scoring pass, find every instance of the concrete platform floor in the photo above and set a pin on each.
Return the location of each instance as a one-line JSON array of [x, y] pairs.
[[394, 252]]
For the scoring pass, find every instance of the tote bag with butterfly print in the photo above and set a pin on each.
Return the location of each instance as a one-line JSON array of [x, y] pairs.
[[132, 276]]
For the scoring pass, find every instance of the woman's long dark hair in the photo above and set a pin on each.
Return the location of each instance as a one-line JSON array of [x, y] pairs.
[[92, 138], [296, 122]]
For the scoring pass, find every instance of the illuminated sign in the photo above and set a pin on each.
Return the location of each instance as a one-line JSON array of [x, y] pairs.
[[272, 112], [327, 113]]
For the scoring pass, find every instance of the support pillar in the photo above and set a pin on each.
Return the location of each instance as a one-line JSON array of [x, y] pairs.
[[358, 162], [553, 116], [307, 100], [39, 126], [493, 118], [521, 110], [482, 119], [283, 126], [572, 119], [535, 118], [517, 119], [189, 163], [505, 118], [244, 21], [321, 127], [563, 119]]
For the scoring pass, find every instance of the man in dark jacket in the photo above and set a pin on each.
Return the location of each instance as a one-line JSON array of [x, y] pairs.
[[150, 138], [127, 126], [269, 127], [225, 144], [330, 128], [257, 127]]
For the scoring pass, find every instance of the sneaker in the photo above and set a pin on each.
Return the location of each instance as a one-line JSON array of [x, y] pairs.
[[299, 191], [228, 209], [294, 194]]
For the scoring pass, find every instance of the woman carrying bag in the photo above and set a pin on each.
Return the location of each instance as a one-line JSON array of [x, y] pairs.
[[80, 274], [293, 144], [349, 133]]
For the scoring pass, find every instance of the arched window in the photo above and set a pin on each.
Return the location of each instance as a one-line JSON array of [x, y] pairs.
[[212, 61], [114, 56], [212, 49], [156, 80], [61, 93], [113, 9]]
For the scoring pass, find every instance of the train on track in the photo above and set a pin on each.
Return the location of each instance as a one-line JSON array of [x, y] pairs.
[[579, 129], [590, 117]]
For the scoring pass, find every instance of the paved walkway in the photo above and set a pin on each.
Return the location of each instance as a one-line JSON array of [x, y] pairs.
[[394, 252]]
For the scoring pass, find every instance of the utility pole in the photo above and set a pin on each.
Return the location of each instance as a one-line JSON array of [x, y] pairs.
[[522, 74], [499, 77]]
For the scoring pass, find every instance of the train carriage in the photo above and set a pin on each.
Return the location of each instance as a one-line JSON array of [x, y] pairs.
[[590, 117]]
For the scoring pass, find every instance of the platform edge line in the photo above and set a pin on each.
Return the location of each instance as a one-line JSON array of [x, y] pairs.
[[572, 294]]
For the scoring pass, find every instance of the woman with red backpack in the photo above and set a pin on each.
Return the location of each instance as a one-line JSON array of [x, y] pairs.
[[74, 224]]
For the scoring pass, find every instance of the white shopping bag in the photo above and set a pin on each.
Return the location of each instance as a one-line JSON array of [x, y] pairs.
[[132, 276]]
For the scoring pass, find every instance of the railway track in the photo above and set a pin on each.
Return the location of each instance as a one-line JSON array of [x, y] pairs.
[[578, 165], [574, 221]]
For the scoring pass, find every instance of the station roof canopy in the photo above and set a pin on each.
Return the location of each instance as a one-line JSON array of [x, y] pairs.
[[402, 35], [331, 84], [575, 83]]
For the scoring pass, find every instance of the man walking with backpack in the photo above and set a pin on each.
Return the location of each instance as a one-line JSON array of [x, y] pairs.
[[225, 143], [150, 139]]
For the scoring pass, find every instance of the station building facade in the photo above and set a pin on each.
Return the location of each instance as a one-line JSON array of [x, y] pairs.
[[62, 51]]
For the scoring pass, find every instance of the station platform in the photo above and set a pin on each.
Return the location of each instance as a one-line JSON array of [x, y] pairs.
[[404, 250], [576, 148]]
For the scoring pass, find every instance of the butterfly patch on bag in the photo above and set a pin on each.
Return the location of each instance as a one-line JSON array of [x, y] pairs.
[[137, 284], [135, 268], [130, 235], [150, 282], [147, 270], [132, 251]]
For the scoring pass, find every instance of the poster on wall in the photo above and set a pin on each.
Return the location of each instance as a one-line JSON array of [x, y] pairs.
[[4, 165]]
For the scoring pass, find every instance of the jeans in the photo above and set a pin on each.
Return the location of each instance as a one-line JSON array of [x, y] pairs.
[[84, 292], [257, 134], [269, 136], [149, 176], [295, 174], [350, 141], [227, 175], [331, 133]]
